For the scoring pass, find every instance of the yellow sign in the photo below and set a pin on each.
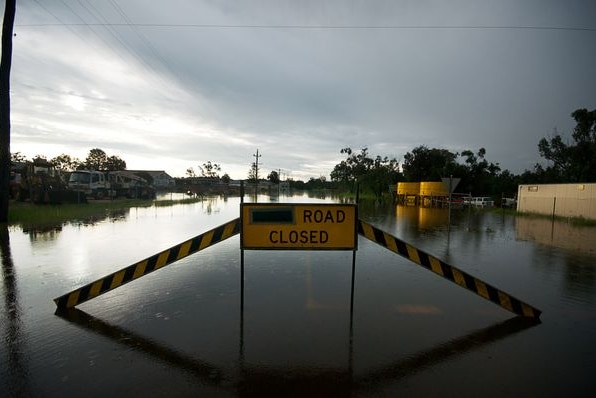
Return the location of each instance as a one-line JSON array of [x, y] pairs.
[[298, 226]]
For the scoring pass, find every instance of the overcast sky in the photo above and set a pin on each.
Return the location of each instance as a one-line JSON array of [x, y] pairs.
[[168, 85]]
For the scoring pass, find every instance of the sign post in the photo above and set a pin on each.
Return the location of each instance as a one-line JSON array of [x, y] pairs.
[[298, 226]]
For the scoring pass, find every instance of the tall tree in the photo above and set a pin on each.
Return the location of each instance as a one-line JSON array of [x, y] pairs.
[[253, 172], [17, 157], [190, 173], [354, 167], [373, 175], [114, 163], [273, 177], [382, 173], [428, 164], [99, 160], [479, 176], [210, 170], [64, 163], [5, 65], [96, 160], [573, 162]]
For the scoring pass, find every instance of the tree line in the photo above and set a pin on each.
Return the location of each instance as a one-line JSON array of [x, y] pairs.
[[97, 159], [570, 160]]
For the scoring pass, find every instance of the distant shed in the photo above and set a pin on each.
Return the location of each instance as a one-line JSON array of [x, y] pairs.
[[564, 200]]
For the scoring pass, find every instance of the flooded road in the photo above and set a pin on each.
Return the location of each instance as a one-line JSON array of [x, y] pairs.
[[297, 328]]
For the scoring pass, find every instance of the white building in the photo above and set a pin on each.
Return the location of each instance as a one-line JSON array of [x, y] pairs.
[[564, 200]]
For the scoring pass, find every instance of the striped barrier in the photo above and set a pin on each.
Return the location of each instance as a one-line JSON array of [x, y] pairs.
[[148, 265], [447, 271]]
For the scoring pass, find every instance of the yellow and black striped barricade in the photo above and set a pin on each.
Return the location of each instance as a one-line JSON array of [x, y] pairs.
[[447, 271], [148, 265]]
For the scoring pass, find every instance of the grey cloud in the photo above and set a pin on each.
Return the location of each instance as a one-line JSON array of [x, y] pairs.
[[302, 94]]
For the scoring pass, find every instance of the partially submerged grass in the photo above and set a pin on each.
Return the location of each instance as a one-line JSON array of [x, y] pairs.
[[575, 221], [171, 202], [27, 213]]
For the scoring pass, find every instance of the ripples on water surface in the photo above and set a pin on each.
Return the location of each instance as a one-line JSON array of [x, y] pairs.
[[180, 331]]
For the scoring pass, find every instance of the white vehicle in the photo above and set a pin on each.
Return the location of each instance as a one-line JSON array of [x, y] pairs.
[[482, 201]]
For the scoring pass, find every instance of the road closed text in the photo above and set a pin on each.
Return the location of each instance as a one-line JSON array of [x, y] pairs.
[[304, 237]]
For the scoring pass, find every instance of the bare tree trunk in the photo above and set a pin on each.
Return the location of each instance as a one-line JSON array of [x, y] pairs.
[[5, 63]]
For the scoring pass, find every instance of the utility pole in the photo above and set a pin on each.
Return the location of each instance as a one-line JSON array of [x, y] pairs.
[[257, 156], [5, 64], [278, 182]]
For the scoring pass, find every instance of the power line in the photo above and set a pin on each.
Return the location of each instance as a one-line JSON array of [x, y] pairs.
[[322, 27], [142, 37], [69, 26], [112, 31], [95, 13]]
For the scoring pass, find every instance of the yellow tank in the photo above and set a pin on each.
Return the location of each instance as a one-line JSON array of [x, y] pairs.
[[408, 188], [433, 189]]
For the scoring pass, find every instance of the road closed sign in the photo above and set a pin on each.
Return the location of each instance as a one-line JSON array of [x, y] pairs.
[[298, 226]]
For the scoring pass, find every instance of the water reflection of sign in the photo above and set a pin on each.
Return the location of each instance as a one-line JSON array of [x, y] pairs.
[[298, 226]]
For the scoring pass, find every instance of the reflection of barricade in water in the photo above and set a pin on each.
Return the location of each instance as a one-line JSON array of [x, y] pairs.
[[556, 233], [269, 380]]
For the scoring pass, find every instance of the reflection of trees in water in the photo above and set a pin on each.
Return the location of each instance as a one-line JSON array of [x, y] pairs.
[[49, 232], [317, 194], [210, 205], [42, 233], [112, 216], [12, 333]]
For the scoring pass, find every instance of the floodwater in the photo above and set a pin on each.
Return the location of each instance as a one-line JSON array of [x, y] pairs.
[[296, 327]]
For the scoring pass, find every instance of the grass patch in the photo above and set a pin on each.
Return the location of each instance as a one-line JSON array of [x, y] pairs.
[[172, 202], [30, 214], [575, 221]]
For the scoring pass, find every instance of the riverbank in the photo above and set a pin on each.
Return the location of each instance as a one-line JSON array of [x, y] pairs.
[[29, 213]]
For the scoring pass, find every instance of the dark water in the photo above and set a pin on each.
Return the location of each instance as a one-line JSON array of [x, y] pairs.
[[186, 330]]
